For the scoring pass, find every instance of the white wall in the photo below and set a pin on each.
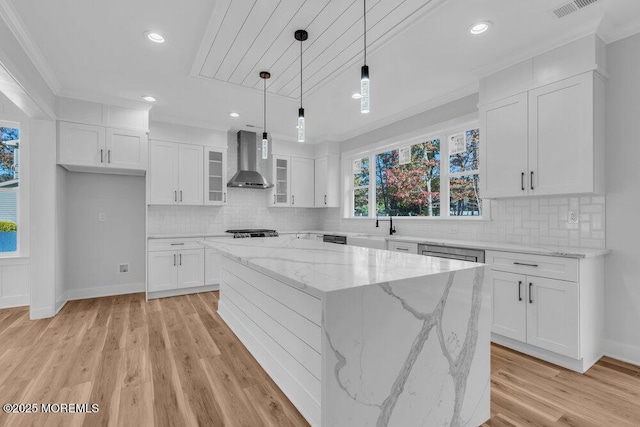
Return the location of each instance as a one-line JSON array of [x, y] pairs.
[[62, 284], [95, 248], [622, 291]]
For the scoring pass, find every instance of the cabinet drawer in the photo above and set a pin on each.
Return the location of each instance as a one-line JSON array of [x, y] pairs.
[[534, 265], [409, 248], [173, 244]]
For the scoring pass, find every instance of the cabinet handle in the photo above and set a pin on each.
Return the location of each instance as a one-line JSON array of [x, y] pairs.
[[180, 259], [525, 264], [177, 244], [520, 290], [101, 157], [274, 199], [175, 196], [530, 298], [174, 260], [325, 199], [180, 195], [532, 180], [402, 249], [293, 199], [522, 181], [108, 156], [224, 195]]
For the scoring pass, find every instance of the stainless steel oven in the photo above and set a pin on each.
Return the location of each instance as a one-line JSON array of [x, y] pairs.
[[452, 252]]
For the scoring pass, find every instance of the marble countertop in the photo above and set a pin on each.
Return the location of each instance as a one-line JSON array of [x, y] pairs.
[[567, 252], [319, 268]]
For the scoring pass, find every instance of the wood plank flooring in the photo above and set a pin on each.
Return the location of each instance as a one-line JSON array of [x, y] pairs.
[[174, 362]]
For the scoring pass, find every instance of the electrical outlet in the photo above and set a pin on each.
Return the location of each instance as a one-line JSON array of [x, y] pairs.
[[572, 217], [453, 231], [102, 217], [123, 268]]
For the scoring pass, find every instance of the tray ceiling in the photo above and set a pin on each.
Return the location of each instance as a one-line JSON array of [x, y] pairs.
[[246, 37]]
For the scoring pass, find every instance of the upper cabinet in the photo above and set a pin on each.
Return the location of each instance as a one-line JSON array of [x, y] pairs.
[[90, 148], [215, 176], [175, 174], [293, 182], [327, 182], [549, 139]]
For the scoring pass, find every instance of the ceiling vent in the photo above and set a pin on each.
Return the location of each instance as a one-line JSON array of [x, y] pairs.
[[571, 7]]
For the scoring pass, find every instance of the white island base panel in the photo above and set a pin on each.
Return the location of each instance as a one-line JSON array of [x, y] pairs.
[[402, 353]]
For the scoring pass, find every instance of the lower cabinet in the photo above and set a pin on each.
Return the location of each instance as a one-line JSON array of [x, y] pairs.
[[212, 267], [175, 264], [548, 307], [539, 311]]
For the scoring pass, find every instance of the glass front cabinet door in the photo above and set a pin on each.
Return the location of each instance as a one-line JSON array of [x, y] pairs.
[[215, 176]]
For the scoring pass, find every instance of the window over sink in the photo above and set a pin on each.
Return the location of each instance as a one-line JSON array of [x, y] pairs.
[[435, 176]]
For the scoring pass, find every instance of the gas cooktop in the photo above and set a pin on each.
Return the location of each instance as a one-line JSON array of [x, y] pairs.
[[253, 232]]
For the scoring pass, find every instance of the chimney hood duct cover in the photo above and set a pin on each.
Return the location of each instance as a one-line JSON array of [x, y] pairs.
[[247, 175]]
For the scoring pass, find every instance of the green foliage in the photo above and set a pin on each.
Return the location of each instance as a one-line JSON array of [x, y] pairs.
[[8, 226]]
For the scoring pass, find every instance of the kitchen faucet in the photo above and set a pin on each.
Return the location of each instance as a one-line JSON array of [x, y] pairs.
[[392, 229]]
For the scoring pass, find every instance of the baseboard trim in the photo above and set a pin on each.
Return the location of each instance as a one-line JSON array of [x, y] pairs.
[[17, 301], [184, 291], [623, 352], [105, 291], [41, 313]]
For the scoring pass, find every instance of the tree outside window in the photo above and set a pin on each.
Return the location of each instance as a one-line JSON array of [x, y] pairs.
[[9, 169]]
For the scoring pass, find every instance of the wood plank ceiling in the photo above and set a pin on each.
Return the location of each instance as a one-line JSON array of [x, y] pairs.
[[246, 37]]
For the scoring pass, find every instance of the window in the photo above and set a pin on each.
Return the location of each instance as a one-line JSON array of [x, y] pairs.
[[414, 179], [361, 187], [9, 174]]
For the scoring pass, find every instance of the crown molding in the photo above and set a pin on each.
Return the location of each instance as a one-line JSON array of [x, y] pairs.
[[19, 31], [107, 100]]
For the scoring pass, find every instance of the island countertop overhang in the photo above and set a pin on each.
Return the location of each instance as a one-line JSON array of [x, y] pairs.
[[319, 268]]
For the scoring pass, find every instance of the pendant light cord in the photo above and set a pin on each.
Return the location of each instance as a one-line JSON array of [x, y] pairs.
[[300, 73], [264, 123], [365, 32]]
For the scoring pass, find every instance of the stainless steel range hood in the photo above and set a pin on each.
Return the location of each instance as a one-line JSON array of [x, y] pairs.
[[248, 175]]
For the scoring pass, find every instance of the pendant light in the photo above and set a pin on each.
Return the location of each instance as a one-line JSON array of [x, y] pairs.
[[301, 35], [264, 75], [365, 87]]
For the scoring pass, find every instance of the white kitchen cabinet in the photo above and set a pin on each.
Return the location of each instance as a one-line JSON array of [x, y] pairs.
[[190, 172], [561, 137], [546, 141], [503, 159], [293, 182], [175, 174], [190, 268], [80, 145], [405, 247], [90, 148], [175, 264], [508, 291], [163, 274], [548, 307], [327, 182], [553, 320], [126, 149], [215, 176]]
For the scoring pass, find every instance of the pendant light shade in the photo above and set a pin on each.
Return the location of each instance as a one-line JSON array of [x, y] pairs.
[[264, 75], [301, 35], [365, 84]]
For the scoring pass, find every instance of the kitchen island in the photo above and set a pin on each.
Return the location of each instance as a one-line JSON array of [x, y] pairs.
[[361, 337]]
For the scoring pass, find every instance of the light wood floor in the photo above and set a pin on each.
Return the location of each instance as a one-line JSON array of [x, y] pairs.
[[174, 362]]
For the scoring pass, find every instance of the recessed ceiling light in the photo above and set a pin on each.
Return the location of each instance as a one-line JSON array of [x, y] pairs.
[[155, 37], [234, 114], [356, 95], [149, 98], [480, 27]]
